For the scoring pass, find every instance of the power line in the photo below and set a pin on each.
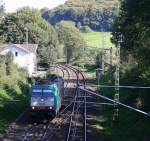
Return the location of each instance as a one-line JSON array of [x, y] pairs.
[[116, 102], [130, 87]]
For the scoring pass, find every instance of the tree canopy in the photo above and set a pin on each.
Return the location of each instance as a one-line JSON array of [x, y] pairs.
[[134, 23], [12, 29], [98, 15], [71, 38]]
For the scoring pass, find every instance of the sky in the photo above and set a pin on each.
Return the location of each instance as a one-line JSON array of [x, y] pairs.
[[12, 5]]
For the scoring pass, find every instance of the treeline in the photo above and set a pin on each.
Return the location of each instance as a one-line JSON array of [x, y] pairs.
[[14, 90], [134, 24], [97, 14], [40, 32], [63, 40], [12, 78]]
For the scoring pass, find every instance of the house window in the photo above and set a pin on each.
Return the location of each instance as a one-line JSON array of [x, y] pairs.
[[16, 54]]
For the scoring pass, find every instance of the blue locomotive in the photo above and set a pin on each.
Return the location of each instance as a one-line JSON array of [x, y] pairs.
[[47, 95]]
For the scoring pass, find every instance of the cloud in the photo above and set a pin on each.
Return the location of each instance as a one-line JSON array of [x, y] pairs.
[[12, 5]]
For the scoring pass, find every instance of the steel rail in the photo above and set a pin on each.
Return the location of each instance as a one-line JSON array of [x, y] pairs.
[[79, 72], [43, 137], [74, 110], [85, 112], [85, 117], [116, 102], [130, 87], [74, 104], [60, 69], [27, 131], [64, 68]]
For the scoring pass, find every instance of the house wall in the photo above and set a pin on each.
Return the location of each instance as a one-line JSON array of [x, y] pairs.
[[22, 58]]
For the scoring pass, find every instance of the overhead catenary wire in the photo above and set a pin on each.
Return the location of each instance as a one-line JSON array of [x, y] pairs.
[[130, 87], [116, 102]]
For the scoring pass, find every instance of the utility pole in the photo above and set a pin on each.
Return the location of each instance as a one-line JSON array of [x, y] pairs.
[[117, 82], [66, 49], [110, 67], [101, 58], [27, 35], [27, 40], [117, 76]]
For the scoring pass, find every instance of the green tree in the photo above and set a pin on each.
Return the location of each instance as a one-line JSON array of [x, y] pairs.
[[2, 67], [97, 14], [133, 23], [40, 31], [72, 40], [9, 63], [1, 9]]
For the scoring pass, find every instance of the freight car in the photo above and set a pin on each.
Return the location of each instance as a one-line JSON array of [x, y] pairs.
[[46, 96]]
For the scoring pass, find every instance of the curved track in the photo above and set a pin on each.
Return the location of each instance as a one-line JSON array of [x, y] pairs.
[[60, 127]]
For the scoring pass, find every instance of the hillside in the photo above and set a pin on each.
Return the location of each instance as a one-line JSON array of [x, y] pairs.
[[97, 14], [98, 3]]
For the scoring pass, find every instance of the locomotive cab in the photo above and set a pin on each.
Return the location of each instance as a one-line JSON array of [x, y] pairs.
[[42, 99], [46, 97]]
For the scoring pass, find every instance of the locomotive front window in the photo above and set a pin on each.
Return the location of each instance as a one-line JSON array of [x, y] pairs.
[[36, 93], [47, 93]]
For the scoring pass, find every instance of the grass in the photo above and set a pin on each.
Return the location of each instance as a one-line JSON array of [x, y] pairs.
[[90, 70], [94, 39], [10, 110], [131, 126]]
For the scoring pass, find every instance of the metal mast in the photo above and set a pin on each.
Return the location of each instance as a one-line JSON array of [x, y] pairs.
[[116, 97]]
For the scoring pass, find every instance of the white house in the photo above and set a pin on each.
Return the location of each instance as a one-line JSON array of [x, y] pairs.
[[24, 55]]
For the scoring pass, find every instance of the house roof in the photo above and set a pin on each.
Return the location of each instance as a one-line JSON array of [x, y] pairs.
[[30, 48]]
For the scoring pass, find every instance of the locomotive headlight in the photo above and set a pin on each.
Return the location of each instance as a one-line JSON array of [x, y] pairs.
[[42, 99], [50, 108]]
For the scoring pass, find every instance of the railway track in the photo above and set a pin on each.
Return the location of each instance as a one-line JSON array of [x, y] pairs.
[[48, 131], [71, 122], [57, 124], [81, 105]]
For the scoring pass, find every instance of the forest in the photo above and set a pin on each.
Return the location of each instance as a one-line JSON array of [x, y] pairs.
[[98, 15]]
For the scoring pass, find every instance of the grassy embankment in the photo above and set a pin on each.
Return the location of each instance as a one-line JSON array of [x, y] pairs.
[[94, 39], [12, 87], [131, 126]]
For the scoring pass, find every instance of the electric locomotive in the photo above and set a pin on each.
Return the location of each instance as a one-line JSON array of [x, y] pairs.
[[47, 95]]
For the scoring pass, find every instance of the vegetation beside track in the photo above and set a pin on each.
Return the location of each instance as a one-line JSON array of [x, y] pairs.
[[131, 126], [14, 93]]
